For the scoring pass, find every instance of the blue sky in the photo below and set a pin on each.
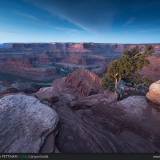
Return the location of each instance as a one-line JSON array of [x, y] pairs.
[[110, 21]]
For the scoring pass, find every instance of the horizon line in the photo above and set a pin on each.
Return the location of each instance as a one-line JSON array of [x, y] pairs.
[[80, 42]]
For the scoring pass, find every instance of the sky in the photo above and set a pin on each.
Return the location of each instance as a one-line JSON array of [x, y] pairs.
[[106, 21]]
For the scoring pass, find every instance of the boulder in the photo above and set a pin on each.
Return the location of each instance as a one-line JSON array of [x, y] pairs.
[[52, 93], [25, 125], [154, 92], [47, 93]]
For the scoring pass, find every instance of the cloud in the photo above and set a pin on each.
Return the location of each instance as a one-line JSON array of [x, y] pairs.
[[44, 22], [56, 13], [90, 16], [27, 15], [73, 21], [87, 22]]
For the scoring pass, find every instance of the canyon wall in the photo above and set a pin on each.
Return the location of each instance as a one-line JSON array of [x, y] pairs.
[[48, 61]]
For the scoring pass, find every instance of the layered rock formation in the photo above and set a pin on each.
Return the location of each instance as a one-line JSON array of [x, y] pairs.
[[24, 68], [48, 61], [43, 62]]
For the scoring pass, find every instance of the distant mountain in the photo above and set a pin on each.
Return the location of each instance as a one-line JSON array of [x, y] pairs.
[[5, 45]]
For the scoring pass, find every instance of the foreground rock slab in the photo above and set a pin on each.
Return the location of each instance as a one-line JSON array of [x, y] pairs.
[[96, 125], [25, 124]]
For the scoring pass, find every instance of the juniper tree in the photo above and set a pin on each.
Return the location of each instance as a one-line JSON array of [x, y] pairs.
[[132, 61]]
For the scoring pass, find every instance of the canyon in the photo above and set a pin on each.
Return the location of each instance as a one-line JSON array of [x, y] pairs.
[[54, 59], [38, 64], [52, 101]]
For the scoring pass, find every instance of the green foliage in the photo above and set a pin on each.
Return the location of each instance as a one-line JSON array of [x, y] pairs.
[[132, 61], [108, 83], [119, 69], [137, 79]]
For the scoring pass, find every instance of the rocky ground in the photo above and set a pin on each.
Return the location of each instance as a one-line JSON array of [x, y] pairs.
[[76, 115]]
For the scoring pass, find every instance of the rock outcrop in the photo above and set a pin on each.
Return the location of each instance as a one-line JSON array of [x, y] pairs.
[[26, 125], [99, 123], [84, 82], [95, 123], [127, 126], [154, 92], [80, 83]]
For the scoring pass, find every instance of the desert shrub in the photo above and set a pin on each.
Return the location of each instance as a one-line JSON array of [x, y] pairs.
[[127, 68], [137, 79], [108, 83]]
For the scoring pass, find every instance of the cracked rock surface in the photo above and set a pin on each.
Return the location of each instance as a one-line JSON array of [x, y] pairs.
[[24, 124]]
